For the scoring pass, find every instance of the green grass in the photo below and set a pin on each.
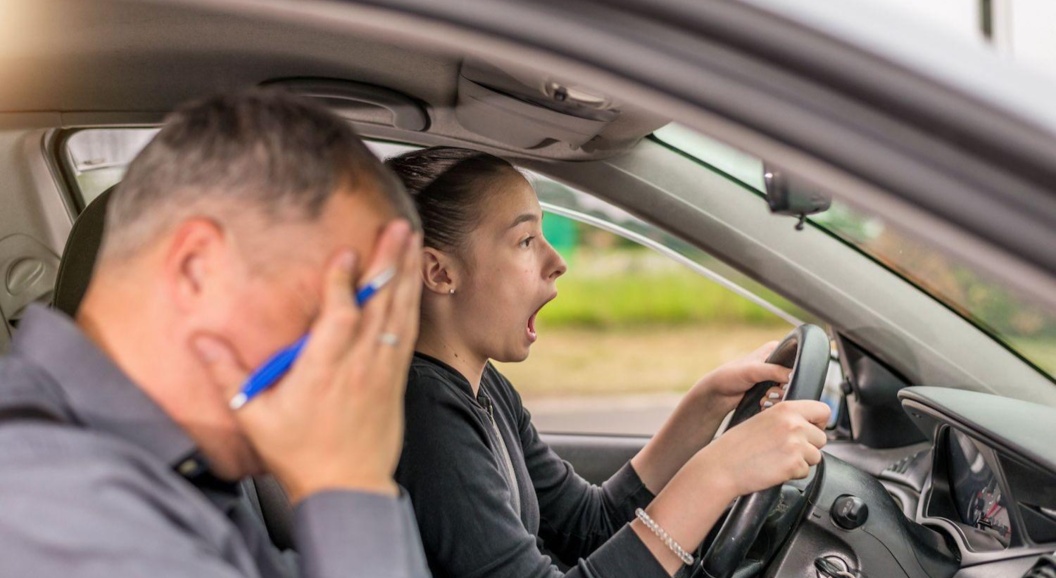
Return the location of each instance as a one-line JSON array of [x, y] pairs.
[[572, 361], [637, 297]]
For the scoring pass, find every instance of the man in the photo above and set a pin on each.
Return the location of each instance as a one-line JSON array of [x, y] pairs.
[[246, 223]]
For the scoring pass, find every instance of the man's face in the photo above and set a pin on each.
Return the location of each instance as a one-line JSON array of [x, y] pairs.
[[273, 292], [281, 289]]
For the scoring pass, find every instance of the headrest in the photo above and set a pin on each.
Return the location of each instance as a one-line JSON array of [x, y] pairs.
[[78, 257]]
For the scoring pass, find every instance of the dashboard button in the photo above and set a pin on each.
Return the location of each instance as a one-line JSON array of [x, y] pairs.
[[849, 512]]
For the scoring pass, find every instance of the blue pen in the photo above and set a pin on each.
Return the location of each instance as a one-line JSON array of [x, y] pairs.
[[267, 374]]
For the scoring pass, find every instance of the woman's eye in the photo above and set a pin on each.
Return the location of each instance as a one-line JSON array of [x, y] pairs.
[[527, 242]]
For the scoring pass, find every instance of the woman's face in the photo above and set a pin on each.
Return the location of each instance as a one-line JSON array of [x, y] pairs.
[[508, 272]]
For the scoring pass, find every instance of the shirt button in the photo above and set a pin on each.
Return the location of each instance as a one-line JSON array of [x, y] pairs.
[[189, 467]]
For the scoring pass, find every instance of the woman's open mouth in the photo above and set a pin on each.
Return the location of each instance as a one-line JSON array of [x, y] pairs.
[[532, 334]]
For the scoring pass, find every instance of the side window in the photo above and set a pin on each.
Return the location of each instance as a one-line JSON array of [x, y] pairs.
[[97, 158], [639, 318]]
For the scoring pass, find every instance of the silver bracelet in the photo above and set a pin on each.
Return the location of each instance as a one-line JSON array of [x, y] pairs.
[[666, 538]]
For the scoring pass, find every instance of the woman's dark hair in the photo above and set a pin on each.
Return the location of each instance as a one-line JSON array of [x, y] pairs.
[[448, 186]]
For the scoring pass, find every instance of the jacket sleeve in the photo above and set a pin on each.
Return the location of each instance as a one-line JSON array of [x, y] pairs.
[[469, 527], [342, 533], [576, 517]]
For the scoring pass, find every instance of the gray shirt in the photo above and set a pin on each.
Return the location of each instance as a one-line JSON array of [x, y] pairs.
[[97, 480]]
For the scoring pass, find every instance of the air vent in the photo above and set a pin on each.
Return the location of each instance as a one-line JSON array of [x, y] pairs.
[[908, 472], [901, 466]]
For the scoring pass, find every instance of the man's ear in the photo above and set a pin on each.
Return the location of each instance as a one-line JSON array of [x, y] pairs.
[[197, 252], [437, 273]]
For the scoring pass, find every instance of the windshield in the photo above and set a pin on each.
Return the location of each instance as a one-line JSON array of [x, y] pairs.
[[1026, 329]]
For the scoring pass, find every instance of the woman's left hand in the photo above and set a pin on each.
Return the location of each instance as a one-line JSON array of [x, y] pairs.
[[698, 416], [722, 389]]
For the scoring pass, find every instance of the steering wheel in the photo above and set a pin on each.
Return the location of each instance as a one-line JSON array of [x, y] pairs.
[[806, 351]]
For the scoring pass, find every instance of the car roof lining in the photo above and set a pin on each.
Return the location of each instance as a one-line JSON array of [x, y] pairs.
[[132, 62]]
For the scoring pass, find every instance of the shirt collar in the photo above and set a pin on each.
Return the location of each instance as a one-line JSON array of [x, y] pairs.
[[460, 381], [223, 494], [97, 393]]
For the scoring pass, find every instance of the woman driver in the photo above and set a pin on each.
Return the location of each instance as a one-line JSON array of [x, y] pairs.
[[489, 495]]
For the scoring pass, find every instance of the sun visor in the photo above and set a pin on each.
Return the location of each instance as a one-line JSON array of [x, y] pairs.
[[526, 110], [360, 101]]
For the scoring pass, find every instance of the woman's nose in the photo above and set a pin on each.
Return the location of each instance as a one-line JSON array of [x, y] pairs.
[[559, 266]]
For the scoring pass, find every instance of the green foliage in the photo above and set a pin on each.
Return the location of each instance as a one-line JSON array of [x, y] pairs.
[[637, 297]]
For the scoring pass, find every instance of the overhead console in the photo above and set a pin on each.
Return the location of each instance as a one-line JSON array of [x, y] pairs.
[[527, 110]]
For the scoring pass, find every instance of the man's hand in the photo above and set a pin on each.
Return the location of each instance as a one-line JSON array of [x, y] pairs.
[[336, 419]]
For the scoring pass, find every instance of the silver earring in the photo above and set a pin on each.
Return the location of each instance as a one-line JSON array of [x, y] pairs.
[[451, 291]]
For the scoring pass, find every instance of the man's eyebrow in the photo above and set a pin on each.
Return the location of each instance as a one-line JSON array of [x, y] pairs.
[[523, 218]]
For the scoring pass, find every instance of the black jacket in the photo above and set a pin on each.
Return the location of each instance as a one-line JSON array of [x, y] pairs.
[[457, 475]]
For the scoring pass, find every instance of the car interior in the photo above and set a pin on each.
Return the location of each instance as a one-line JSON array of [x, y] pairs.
[[938, 463]]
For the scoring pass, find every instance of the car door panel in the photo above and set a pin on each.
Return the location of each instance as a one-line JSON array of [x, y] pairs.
[[595, 458]]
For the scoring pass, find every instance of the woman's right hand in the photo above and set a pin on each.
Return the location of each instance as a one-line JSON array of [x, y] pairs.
[[772, 447]]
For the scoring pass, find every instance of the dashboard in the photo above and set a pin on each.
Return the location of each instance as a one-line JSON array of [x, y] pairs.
[[976, 491], [976, 499], [992, 481]]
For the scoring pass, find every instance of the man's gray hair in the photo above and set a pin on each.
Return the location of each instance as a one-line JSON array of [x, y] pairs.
[[261, 150]]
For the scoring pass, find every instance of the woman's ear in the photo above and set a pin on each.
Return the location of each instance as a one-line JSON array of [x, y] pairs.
[[437, 275]]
